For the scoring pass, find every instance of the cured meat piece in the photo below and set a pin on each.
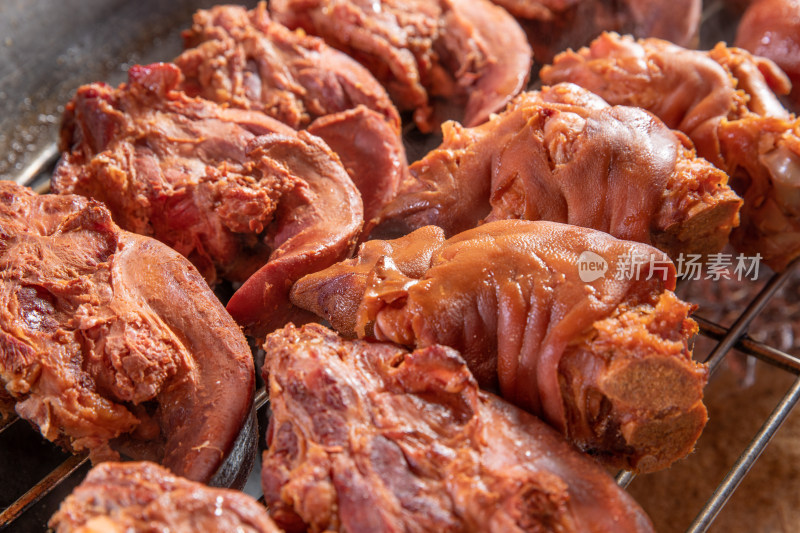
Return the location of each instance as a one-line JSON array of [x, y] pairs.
[[568, 323], [110, 341], [243, 59], [771, 29], [371, 437], [723, 100], [440, 58], [555, 25], [117, 497], [538, 159], [230, 189]]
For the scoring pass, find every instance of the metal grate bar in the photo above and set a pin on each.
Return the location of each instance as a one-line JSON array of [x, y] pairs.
[[5, 424], [260, 398], [755, 307], [748, 346], [746, 461], [42, 160], [42, 489]]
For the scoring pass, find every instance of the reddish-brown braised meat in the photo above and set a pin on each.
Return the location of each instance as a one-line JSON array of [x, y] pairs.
[[563, 154], [112, 341], [143, 497], [369, 437], [243, 59], [724, 100], [771, 29], [555, 25], [438, 58], [230, 189], [569, 323]]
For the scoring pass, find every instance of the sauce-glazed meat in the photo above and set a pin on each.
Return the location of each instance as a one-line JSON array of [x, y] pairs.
[[232, 190], [771, 29], [565, 155], [110, 341], [368, 437], [143, 497], [243, 59], [555, 25], [438, 58], [568, 323], [723, 100]]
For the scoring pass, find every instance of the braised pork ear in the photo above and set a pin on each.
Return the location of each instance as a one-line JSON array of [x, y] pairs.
[[110, 341], [142, 496], [439, 59], [233, 190], [244, 59], [725, 100], [371, 437], [563, 154], [568, 323]]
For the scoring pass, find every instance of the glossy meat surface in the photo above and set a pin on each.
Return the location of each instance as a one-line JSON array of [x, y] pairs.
[[724, 100], [440, 58], [538, 159], [232, 190], [369, 437], [771, 29], [602, 359], [143, 497], [244, 59], [555, 25], [106, 341]]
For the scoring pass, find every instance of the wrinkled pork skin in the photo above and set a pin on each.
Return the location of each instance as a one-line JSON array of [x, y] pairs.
[[243, 59], [771, 29], [723, 100], [232, 190], [606, 362], [369, 437], [110, 340], [538, 159], [555, 25], [441, 59], [141, 496]]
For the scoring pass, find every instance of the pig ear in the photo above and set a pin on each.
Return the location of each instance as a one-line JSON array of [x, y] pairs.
[[371, 151], [509, 58], [204, 409], [316, 225]]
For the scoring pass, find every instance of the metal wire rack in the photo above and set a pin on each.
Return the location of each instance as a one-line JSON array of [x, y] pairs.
[[42, 494]]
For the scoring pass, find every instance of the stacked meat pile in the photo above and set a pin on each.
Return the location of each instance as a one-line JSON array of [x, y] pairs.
[[528, 256]]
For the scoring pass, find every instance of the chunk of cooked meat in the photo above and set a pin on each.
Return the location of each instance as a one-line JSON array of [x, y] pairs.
[[142, 496], [232, 190], [371, 437], [604, 360], [538, 159], [723, 100], [555, 25], [243, 59], [112, 341], [771, 29], [438, 58]]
